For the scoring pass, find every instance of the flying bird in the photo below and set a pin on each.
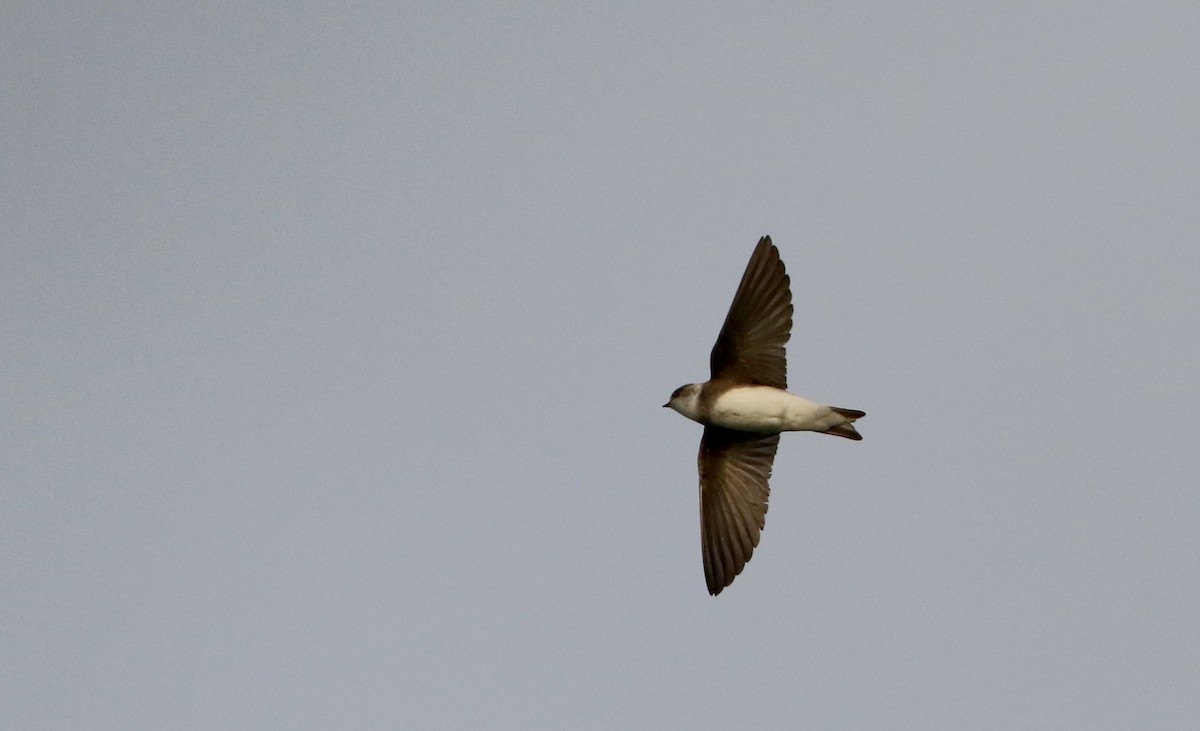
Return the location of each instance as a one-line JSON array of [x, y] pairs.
[[744, 406]]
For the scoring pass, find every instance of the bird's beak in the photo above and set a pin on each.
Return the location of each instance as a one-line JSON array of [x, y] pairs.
[[666, 404]]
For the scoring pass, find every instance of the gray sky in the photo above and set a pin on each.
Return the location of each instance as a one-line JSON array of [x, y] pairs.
[[335, 342]]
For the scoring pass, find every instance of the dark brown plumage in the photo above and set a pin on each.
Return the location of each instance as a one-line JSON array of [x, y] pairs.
[[733, 486]]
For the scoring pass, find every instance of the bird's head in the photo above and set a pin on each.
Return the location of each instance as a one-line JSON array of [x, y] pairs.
[[686, 401]]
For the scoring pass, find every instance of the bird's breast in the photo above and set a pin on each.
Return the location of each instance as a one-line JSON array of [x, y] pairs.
[[764, 409]]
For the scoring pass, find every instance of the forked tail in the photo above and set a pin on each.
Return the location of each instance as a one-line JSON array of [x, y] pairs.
[[846, 428]]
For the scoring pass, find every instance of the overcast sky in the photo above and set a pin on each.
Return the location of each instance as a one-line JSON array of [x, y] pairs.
[[335, 340]]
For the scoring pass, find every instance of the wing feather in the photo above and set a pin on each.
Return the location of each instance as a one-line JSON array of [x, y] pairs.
[[735, 468], [750, 348]]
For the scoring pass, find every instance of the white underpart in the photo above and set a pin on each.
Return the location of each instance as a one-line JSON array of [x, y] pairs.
[[769, 410]]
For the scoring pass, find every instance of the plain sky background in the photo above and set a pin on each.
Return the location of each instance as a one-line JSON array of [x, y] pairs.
[[335, 336]]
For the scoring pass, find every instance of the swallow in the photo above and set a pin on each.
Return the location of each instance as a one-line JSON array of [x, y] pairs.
[[744, 406]]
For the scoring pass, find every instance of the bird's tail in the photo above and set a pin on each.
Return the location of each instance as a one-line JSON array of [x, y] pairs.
[[846, 428]]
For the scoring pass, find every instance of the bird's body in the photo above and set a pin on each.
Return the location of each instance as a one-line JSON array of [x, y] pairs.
[[758, 409], [744, 407]]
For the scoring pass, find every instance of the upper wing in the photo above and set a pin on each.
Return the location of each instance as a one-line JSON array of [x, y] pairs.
[[750, 346], [734, 469]]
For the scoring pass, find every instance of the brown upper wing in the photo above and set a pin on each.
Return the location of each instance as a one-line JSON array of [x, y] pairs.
[[734, 469], [750, 346]]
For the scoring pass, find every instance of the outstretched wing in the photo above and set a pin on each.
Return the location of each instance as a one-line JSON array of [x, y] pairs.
[[750, 346], [734, 469]]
